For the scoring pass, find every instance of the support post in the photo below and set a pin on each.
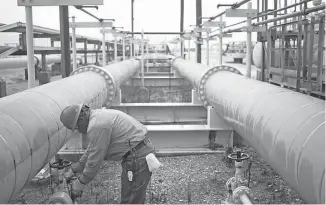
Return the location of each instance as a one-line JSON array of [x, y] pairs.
[[321, 42], [147, 48], [196, 52], [30, 46], [103, 50], [142, 60], [130, 49], [198, 23], [189, 49], [115, 49], [43, 56], [123, 48], [74, 55], [311, 52], [181, 27], [249, 49], [220, 53], [85, 51], [299, 53], [207, 50], [65, 41], [132, 27], [195, 98]]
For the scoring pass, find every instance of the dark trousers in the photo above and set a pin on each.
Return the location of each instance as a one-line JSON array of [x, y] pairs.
[[134, 192]]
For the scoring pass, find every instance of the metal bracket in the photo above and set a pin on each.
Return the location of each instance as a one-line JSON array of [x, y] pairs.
[[254, 29], [200, 30], [208, 24], [241, 12], [90, 24]]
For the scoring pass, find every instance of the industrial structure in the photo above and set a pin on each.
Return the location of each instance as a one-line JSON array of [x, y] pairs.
[[281, 113]]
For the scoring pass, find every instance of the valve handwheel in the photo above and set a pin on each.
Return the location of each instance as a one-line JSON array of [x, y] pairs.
[[238, 156], [60, 164]]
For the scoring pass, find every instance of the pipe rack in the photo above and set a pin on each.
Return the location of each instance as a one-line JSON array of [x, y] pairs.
[[286, 128], [30, 129]]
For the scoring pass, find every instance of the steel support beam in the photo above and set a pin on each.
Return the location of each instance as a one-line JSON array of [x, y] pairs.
[[165, 113], [65, 41], [30, 46], [286, 128], [30, 129], [162, 81], [198, 24]]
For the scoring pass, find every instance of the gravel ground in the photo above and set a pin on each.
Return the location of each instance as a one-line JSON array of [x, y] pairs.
[[189, 179]]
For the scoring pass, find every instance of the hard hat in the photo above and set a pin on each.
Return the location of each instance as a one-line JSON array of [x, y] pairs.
[[69, 116]]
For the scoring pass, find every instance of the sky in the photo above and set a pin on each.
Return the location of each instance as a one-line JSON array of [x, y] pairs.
[[150, 15]]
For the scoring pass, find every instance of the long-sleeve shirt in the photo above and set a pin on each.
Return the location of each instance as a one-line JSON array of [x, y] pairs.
[[110, 132]]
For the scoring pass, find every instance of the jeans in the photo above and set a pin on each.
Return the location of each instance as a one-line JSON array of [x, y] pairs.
[[134, 191]]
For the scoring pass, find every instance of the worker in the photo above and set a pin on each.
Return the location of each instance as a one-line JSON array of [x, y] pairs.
[[112, 135]]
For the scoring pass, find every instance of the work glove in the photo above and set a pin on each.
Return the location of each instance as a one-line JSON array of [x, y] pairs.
[[69, 175], [77, 188]]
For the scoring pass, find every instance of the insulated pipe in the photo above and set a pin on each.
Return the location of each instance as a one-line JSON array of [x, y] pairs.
[[286, 128], [30, 129], [21, 61]]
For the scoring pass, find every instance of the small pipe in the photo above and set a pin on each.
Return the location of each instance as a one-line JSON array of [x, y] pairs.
[[249, 45], [123, 48], [115, 49], [74, 56], [294, 14], [221, 43], [103, 50], [30, 46]]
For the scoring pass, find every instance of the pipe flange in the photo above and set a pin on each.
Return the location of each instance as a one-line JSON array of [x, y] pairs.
[[112, 89], [238, 192], [207, 74], [229, 183]]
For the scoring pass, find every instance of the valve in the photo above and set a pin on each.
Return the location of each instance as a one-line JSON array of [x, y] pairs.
[[238, 156], [60, 164]]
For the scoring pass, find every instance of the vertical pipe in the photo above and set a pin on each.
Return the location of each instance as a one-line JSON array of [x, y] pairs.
[[283, 56], [130, 48], [220, 42], [103, 49], [269, 53], [189, 49], [65, 41], [43, 61], [196, 50], [207, 49], [142, 59], [305, 49], [85, 51], [272, 46], [115, 49], [147, 47], [181, 26], [30, 46], [74, 55], [321, 39], [123, 48], [249, 45], [299, 59], [198, 23], [132, 27], [311, 51]]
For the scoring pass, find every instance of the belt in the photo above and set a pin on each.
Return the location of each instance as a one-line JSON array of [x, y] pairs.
[[140, 145]]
